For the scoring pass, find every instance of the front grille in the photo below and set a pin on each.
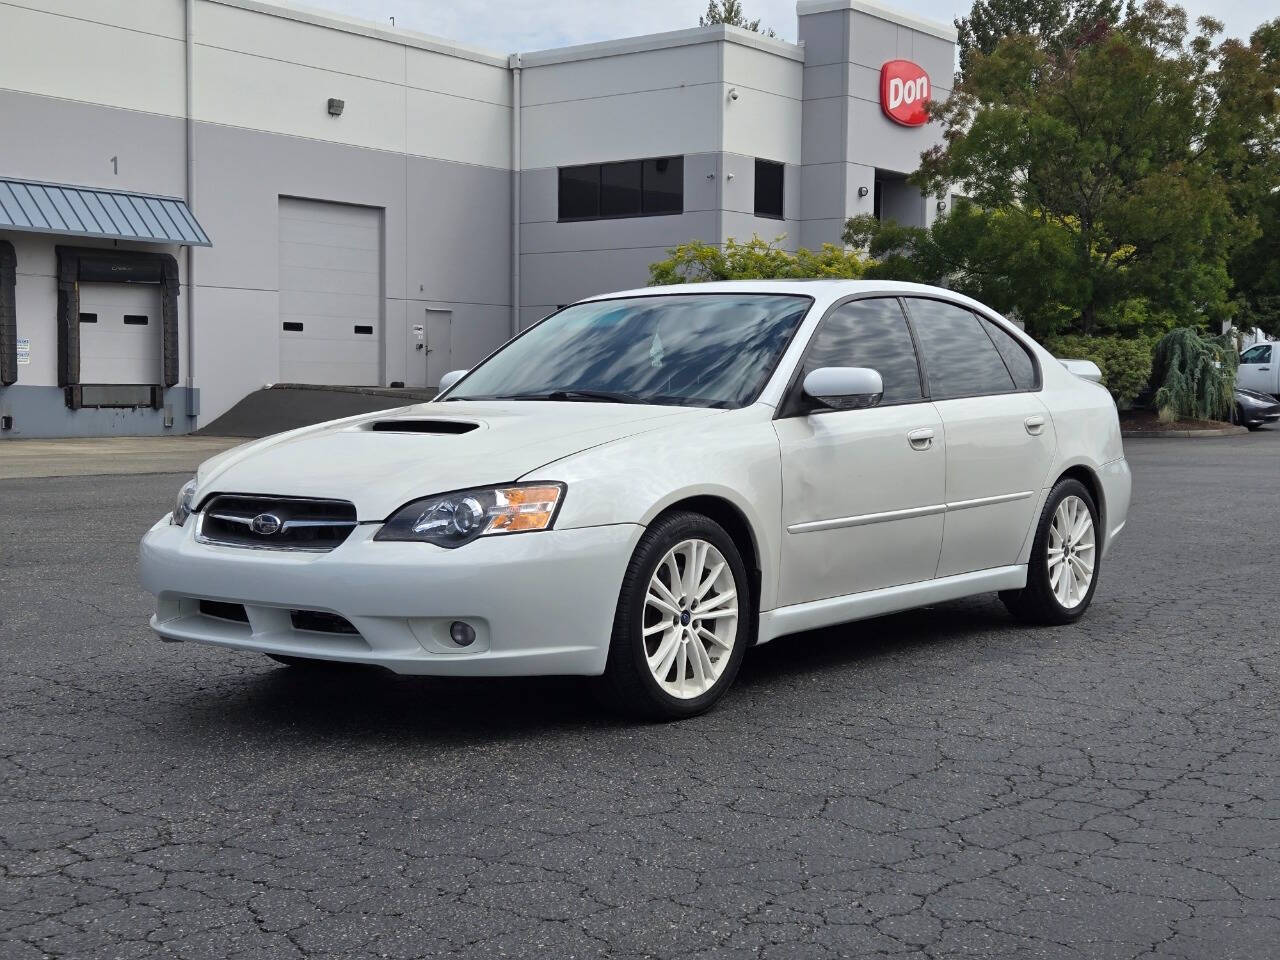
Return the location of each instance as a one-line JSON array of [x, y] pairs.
[[224, 611], [276, 523], [317, 621]]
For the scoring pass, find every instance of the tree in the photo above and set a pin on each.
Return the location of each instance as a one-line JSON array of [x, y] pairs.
[[1244, 137], [1195, 376], [1060, 25], [1092, 178], [753, 259], [731, 12]]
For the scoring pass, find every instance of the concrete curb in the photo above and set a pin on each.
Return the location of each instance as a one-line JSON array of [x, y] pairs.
[[1233, 431]]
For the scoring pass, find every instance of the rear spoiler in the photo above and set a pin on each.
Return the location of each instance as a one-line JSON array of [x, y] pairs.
[[1084, 369]]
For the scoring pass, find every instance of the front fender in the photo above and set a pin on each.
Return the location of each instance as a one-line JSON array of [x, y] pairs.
[[734, 458]]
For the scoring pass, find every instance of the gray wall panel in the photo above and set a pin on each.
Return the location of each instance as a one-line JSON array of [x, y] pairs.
[[551, 278], [64, 141], [42, 412], [458, 229], [243, 173], [617, 234], [825, 37], [828, 80], [872, 41]]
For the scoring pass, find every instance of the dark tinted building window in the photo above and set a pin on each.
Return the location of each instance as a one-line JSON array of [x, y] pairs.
[[1015, 356], [579, 192], [663, 180], [619, 189], [631, 188], [768, 189], [870, 333], [960, 357]]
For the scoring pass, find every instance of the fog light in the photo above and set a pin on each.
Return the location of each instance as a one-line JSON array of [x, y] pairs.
[[463, 634]]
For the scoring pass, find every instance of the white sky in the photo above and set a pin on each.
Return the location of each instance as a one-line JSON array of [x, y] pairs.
[[506, 26]]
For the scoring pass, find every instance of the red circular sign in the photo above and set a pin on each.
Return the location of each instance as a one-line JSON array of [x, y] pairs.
[[904, 91]]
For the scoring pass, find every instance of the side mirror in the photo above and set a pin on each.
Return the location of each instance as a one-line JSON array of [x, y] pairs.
[[844, 388], [450, 378]]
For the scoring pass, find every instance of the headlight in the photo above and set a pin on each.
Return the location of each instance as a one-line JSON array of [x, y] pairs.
[[452, 519], [182, 508]]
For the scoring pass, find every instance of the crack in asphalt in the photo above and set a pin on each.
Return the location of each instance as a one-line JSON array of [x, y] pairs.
[[935, 784]]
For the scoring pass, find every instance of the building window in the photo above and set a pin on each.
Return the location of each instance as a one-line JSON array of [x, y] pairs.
[[632, 188], [768, 189]]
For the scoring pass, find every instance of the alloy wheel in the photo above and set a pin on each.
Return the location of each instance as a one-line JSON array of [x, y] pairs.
[[690, 619], [1072, 552]]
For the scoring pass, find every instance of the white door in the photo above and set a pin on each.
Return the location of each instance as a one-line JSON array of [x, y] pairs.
[[330, 293], [120, 333], [439, 345], [1000, 437], [1258, 371], [862, 490]]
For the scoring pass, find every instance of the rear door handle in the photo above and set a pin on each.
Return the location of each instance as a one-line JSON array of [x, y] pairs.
[[921, 439], [1034, 425]]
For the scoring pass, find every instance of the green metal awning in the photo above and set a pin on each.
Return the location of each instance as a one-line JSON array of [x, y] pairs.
[[33, 207]]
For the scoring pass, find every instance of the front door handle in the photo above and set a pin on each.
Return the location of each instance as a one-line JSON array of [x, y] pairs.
[[920, 439], [1034, 425], [1263, 369]]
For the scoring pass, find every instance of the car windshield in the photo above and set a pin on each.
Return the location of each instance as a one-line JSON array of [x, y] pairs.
[[705, 350]]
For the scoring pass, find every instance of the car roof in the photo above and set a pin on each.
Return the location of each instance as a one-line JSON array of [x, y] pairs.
[[830, 288], [825, 291]]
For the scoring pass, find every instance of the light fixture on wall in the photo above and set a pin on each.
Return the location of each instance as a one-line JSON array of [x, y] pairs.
[[336, 106], [942, 205], [733, 93], [863, 191]]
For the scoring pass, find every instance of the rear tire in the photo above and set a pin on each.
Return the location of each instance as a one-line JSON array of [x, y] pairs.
[[1066, 559], [678, 636]]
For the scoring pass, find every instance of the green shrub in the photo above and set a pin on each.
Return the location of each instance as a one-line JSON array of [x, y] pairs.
[[1195, 376], [753, 259], [1125, 363]]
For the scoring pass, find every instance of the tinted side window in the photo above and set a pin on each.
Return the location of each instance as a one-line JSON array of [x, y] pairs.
[[870, 333], [1259, 354], [960, 358], [1015, 357]]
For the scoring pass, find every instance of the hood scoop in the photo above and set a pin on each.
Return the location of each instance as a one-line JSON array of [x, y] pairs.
[[408, 425]]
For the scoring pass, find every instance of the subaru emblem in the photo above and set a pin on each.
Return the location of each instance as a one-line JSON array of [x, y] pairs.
[[265, 524]]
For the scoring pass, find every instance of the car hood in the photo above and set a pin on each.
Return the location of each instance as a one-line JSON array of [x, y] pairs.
[[1255, 396], [380, 461]]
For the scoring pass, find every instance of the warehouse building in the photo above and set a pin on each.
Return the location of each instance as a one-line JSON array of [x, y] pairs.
[[200, 197]]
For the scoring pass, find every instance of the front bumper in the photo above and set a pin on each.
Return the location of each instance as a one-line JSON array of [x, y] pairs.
[[541, 603]]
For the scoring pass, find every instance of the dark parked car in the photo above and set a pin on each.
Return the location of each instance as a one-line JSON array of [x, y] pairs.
[[1253, 409]]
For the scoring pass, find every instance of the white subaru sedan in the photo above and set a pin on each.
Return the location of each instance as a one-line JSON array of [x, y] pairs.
[[645, 484]]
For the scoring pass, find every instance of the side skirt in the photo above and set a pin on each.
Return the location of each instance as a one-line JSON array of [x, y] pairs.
[[874, 603]]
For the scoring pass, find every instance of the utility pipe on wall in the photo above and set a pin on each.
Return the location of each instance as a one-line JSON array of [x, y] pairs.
[[189, 54], [514, 63]]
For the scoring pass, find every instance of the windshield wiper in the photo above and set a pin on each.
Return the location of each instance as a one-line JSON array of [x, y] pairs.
[[599, 396], [595, 396]]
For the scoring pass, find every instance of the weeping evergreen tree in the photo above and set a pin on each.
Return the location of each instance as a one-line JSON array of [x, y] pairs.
[[1195, 376]]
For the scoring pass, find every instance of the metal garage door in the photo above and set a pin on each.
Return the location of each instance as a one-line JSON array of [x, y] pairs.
[[330, 293], [120, 333]]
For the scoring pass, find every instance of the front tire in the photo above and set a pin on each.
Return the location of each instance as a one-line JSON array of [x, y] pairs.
[[683, 621], [1066, 556]]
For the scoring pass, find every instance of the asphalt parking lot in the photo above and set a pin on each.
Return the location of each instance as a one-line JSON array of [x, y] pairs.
[[936, 784]]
